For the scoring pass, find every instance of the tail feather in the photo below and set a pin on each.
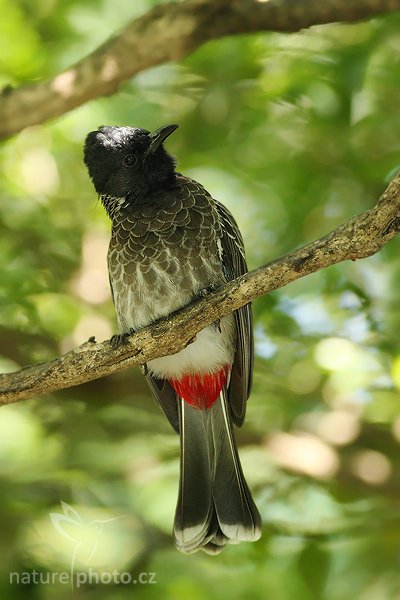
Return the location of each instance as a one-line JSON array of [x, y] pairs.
[[194, 511], [237, 514], [215, 506]]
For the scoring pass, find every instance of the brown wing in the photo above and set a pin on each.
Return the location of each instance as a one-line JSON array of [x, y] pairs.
[[234, 264], [166, 398]]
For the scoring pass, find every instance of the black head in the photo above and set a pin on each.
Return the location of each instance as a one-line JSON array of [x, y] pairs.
[[128, 160]]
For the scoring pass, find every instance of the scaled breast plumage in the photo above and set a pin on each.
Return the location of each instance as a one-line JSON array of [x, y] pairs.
[[166, 241]]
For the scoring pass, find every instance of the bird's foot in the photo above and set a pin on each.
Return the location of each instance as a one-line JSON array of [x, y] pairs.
[[207, 290], [121, 339]]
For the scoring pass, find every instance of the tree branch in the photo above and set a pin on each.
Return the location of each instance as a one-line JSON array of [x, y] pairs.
[[168, 32], [360, 237]]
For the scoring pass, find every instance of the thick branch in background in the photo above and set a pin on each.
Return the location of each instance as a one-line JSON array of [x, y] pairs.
[[168, 32], [360, 237]]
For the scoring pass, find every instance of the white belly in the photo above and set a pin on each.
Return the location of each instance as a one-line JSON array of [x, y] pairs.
[[212, 349]]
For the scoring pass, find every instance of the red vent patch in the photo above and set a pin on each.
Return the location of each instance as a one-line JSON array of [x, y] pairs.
[[201, 390]]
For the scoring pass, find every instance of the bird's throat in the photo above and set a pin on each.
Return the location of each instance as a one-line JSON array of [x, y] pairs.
[[201, 389]]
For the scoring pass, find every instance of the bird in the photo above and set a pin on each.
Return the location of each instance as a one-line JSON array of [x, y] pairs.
[[171, 243]]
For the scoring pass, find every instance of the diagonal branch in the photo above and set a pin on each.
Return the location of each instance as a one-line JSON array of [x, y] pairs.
[[168, 32], [360, 237]]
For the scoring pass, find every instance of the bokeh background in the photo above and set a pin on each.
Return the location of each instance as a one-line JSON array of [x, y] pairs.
[[295, 134]]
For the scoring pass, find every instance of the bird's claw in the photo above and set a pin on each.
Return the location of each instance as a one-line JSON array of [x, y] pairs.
[[121, 339], [207, 290]]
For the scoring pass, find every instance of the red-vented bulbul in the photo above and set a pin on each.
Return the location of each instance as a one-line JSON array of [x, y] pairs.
[[171, 241]]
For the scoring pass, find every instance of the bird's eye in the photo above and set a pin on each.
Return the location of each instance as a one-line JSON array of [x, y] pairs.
[[129, 160]]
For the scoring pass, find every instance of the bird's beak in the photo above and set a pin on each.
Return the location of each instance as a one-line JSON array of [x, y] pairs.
[[159, 136]]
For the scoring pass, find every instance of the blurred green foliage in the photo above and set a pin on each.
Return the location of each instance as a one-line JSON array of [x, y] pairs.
[[295, 134]]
